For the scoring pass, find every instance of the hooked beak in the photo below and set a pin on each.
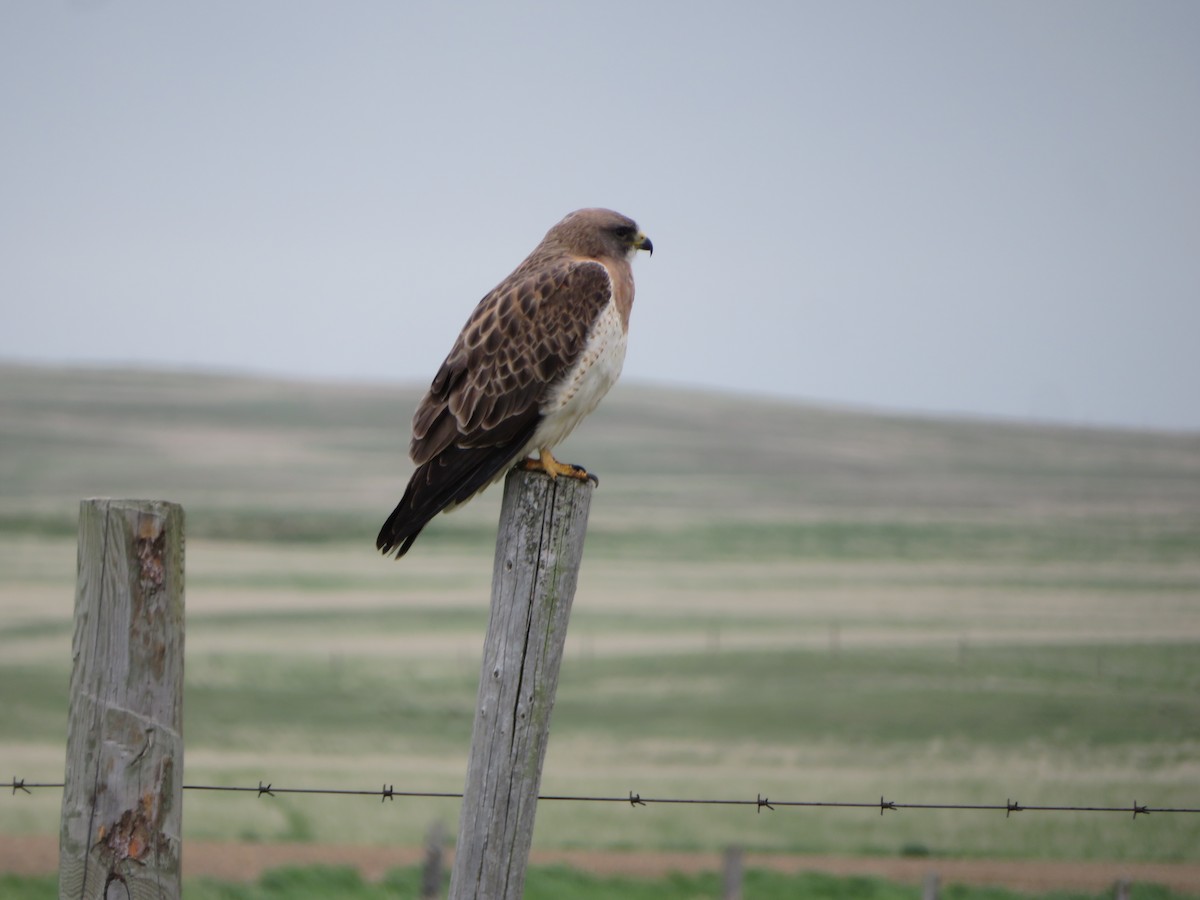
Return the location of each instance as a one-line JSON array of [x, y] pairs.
[[643, 243]]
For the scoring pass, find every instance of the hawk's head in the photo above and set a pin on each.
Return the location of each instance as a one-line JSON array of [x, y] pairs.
[[600, 233]]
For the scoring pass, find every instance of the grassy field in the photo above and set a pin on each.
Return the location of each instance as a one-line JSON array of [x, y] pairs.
[[556, 882], [803, 603]]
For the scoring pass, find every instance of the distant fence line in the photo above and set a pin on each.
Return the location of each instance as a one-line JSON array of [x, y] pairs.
[[634, 799]]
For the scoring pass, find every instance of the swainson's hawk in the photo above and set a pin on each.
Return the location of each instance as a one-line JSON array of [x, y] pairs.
[[536, 356]]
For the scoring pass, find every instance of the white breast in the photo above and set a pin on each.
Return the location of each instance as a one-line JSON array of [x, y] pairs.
[[585, 384]]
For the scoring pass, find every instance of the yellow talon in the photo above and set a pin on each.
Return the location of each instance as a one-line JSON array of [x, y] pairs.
[[552, 467]]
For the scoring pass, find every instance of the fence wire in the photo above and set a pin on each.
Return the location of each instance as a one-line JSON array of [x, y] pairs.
[[634, 799]]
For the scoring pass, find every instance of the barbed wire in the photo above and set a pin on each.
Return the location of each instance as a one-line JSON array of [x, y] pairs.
[[634, 799]]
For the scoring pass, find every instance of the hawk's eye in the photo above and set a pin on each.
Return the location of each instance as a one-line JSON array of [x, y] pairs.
[[624, 232]]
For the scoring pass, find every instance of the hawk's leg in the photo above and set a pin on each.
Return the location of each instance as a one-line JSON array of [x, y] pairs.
[[552, 467]]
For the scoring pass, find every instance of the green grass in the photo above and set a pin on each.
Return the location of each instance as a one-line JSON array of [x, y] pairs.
[[1075, 725], [998, 696], [849, 605], [34, 699], [347, 703], [553, 883], [908, 541], [1102, 724], [1072, 697], [1085, 696], [722, 541]]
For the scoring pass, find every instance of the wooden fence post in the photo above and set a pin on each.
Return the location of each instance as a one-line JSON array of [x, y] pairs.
[[731, 880], [538, 550], [122, 796], [431, 871]]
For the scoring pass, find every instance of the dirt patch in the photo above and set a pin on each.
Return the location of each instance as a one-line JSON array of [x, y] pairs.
[[231, 861]]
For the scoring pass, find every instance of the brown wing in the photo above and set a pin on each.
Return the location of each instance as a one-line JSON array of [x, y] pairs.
[[483, 405]]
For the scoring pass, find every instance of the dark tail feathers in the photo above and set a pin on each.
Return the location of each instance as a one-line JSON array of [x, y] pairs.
[[453, 476]]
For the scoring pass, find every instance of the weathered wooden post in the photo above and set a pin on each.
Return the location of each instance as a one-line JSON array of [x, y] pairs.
[[538, 550], [122, 795], [731, 881], [431, 870]]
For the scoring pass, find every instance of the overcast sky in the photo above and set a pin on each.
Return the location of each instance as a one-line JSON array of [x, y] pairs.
[[984, 208]]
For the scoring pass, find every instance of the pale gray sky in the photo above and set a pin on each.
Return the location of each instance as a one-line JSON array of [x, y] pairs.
[[988, 208]]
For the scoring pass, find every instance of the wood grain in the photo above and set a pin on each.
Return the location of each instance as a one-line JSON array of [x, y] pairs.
[[538, 551]]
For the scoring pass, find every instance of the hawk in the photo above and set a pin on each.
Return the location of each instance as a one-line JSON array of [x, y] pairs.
[[535, 357]]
